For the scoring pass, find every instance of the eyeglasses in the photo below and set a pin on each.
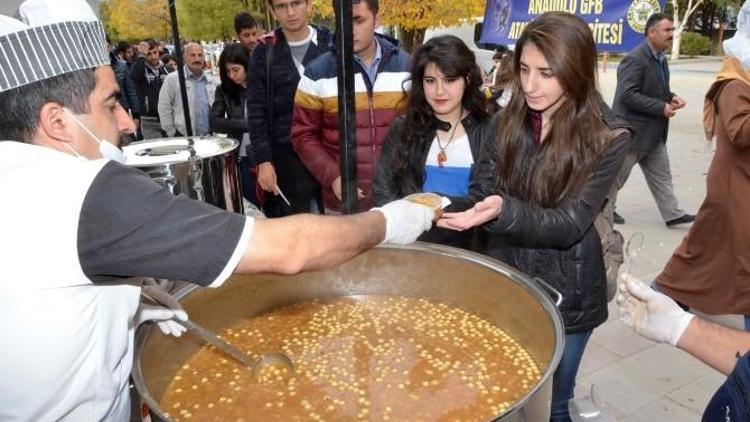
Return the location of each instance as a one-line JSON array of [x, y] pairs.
[[283, 7]]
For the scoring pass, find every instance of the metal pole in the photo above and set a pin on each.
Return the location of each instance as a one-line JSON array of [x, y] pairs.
[[345, 80], [180, 67]]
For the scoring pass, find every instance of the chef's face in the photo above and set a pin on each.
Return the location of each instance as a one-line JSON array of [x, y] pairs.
[[106, 117]]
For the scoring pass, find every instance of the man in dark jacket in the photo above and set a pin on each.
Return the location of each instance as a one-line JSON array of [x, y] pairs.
[[381, 70], [273, 73], [247, 30], [644, 100], [148, 76], [128, 98]]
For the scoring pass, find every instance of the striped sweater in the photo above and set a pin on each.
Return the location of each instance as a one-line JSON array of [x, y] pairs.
[[315, 134]]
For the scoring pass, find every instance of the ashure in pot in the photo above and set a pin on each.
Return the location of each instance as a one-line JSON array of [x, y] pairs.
[[476, 284]]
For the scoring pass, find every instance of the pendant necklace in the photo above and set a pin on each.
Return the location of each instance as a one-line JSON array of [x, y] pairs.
[[442, 157]]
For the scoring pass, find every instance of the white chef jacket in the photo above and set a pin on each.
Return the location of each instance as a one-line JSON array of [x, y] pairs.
[[71, 232]]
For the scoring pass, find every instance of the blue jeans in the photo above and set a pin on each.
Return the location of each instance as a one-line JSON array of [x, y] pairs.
[[564, 378]]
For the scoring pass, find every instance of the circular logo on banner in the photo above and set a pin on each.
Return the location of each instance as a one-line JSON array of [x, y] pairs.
[[639, 11], [500, 13]]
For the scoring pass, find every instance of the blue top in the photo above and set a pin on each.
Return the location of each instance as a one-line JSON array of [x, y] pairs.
[[202, 105], [453, 178], [372, 70]]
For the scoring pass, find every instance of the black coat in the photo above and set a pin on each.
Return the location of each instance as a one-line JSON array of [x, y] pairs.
[[559, 245], [128, 97], [148, 82], [228, 114], [388, 187], [284, 78], [641, 96]]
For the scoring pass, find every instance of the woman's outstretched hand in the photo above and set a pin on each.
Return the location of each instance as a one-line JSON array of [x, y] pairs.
[[482, 212]]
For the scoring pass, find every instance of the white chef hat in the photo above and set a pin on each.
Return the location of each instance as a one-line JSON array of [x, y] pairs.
[[53, 37], [739, 45]]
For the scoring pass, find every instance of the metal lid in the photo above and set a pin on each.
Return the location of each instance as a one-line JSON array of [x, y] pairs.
[[176, 150]]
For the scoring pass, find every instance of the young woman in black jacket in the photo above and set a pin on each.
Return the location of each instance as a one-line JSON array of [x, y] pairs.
[[228, 112], [539, 186], [433, 147]]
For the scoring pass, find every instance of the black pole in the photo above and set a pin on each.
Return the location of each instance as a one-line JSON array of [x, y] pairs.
[[180, 67], [345, 80]]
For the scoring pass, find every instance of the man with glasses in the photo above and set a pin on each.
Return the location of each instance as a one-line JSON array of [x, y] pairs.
[[275, 68]]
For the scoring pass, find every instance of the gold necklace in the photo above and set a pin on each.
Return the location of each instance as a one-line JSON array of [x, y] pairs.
[[442, 156]]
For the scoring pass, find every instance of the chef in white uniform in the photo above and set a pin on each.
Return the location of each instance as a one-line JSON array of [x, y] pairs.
[[76, 225]]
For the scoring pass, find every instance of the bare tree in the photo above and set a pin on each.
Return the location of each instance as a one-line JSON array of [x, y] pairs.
[[681, 22]]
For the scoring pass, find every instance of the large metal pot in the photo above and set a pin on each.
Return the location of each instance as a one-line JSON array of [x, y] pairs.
[[203, 168], [478, 284]]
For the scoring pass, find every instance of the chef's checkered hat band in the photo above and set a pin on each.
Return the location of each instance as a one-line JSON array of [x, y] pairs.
[[56, 37]]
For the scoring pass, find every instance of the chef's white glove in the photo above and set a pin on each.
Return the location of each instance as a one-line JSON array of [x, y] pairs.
[[652, 314], [405, 221], [163, 313]]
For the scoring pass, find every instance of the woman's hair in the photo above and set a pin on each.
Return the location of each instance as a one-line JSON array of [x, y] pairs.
[[505, 72], [577, 134], [454, 59], [234, 54]]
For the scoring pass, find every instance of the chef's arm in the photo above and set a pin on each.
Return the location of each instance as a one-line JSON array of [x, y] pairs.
[[714, 345], [306, 242], [311, 242], [657, 317]]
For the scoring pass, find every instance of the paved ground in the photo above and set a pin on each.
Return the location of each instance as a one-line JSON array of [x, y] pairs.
[[635, 379]]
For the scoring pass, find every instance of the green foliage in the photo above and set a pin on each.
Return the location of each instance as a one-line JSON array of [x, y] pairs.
[[105, 13], [135, 20], [694, 44], [208, 20]]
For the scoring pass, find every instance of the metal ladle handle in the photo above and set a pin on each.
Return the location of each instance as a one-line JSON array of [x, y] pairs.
[[220, 344], [255, 366]]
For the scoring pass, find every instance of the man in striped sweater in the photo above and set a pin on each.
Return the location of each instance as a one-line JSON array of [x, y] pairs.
[[382, 69]]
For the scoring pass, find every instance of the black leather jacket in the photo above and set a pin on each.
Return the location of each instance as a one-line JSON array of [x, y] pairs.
[[228, 114], [387, 187], [558, 245]]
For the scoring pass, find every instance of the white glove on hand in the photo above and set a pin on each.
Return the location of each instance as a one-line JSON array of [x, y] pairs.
[[163, 313], [650, 313], [405, 221]]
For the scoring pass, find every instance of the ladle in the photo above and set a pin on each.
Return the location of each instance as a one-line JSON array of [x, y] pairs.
[[255, 366]]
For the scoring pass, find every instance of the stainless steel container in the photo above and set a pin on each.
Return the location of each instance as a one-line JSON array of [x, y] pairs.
[[202, 168], [478, 284]]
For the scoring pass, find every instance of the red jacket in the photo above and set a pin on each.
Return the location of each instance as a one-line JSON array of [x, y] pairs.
[[315, 134]]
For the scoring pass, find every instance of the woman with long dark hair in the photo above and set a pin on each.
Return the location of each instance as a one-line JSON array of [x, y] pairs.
[[228, 111], [541, 184], [433, 147]]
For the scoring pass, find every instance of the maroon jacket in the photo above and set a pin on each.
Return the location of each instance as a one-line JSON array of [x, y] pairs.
[[315, 134]]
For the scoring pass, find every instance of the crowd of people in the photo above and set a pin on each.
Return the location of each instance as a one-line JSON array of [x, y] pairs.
[[530, 157]]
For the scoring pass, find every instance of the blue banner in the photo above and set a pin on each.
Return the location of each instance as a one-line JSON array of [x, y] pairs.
[[617, 25]]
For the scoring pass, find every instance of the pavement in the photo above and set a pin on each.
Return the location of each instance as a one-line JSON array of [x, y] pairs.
[[633, 378]]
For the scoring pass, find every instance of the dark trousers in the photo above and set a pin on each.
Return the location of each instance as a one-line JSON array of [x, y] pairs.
[[297, 183], [248, 179]]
